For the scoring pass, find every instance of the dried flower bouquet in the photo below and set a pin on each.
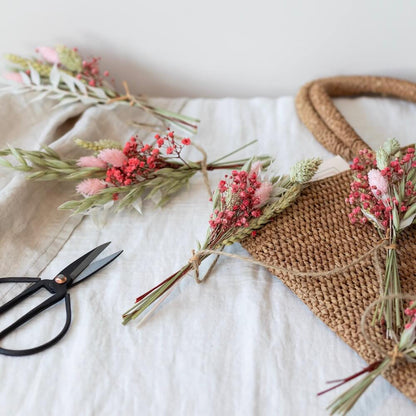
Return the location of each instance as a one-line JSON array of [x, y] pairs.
[[62, 74], [243, 202], [120, 176]]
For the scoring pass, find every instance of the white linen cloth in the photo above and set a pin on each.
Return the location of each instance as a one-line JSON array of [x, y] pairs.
[[239, 344]]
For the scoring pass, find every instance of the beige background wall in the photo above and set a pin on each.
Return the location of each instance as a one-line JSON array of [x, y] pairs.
[[222, 48]]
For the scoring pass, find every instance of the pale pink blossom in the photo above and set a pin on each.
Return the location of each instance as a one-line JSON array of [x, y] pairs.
[[255, 168], [49, 54], [263, 193], [89, 187], [91, 162], [378, 183], [113, 157], [13, 76]]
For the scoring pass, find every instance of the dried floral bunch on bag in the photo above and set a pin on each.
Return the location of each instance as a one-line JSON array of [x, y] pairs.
[[243, 202], [384, 193], [120, 176], [404, 349], [62, 74]]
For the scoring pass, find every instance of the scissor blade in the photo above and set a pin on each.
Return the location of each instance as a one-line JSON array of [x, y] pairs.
[[75, 268], [95, 267]]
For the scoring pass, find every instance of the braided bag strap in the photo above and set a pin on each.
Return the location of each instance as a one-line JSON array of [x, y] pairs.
[[317, 111]]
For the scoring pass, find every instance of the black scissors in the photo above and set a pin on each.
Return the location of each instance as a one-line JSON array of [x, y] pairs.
[[70, 276]]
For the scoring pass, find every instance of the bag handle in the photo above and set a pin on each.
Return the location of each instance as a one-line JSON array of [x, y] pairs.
[[317, 111]]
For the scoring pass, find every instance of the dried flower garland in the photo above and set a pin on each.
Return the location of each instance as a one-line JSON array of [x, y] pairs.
[[62, 74], [126, 175], [244, 202]]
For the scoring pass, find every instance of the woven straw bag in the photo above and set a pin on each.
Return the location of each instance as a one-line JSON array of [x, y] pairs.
[[314, 235]]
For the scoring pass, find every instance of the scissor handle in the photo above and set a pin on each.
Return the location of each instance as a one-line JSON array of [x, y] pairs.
[[30, 315], [58, 293], [23, 295]]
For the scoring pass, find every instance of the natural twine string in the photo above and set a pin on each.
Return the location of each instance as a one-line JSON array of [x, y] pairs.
[[394, 354], [204, 167], [126, 97], [197, 257]]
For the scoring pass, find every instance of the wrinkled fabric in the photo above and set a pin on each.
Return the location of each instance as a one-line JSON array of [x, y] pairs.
[[239, 344]]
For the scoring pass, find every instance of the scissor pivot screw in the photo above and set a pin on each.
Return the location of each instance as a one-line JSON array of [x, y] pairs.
[[60, 279]]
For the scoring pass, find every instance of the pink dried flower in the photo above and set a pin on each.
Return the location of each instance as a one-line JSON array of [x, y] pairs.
[[49, 54], [113, 157], [263, 193], [91, 162], [89, 187], [13, 76], [378, 183], [255, 168]]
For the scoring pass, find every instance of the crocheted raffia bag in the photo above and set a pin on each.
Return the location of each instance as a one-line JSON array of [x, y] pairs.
[[314, 235]]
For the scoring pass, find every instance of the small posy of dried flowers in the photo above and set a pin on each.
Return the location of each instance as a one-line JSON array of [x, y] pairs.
[[384, 193], [126, 175], [243, 203], [62, 74]]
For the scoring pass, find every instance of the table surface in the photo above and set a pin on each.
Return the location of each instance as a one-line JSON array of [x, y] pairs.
[[239, 344]]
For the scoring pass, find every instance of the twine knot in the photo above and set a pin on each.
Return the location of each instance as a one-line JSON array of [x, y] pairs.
[[394, 354], [126, 97], [198, 257], [195, 261]]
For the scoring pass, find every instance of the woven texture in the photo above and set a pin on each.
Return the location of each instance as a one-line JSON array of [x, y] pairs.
[[317, 111], [315, 235]]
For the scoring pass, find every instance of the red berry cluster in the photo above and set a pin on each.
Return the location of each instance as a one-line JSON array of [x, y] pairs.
[[143, 160], [370, 198], [411, 312], [170, 144], [91, 72], [237, 201]]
